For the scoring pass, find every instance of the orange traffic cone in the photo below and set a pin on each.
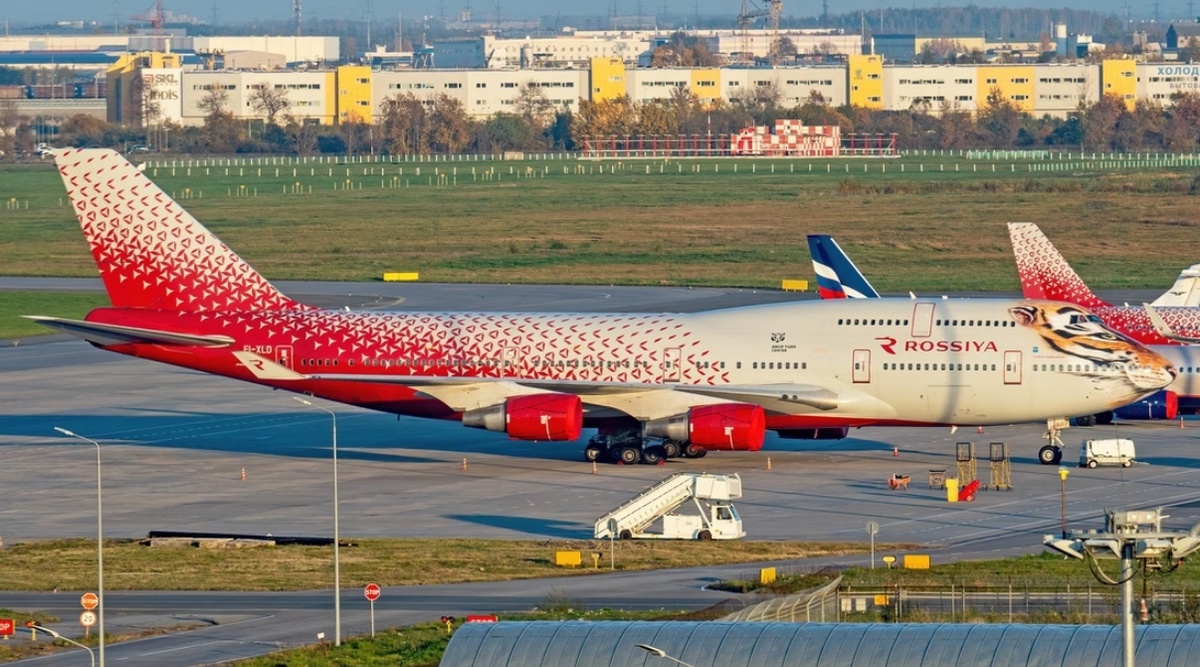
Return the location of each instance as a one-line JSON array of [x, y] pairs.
[[1181, 422], [243, 474], [768, 463], [980, 430], [895, 451], [593, 467], [464, 464]]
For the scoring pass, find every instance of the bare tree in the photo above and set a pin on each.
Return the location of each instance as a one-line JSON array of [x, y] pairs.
[[403, 124], [221, 131], [270, 101], [11, 121], [449, 129], [533, 105], [301, 135]]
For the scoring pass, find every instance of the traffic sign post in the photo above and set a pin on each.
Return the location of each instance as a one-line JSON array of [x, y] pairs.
[[372, 593], [872, 528], [89, 601], [6, 627]]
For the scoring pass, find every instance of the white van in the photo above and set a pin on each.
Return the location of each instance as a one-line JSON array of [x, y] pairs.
[[1118, 451]]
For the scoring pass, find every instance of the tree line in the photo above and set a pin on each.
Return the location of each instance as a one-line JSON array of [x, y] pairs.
[[407, 125]]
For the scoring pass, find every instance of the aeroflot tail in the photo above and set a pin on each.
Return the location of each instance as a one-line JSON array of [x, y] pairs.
[[150, 251], [837, 276]]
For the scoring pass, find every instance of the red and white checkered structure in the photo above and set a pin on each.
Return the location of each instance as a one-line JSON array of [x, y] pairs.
[[790, 138]]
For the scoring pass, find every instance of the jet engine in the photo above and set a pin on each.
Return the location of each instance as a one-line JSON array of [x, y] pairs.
[[531, 417], [828, 433], [740, 426], [1160, 405]]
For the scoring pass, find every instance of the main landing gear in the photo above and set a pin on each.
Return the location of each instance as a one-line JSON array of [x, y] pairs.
[[629, 447], [1051, 453]]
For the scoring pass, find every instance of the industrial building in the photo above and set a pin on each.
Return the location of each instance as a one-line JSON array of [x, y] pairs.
[[335, 95], [722, 644]]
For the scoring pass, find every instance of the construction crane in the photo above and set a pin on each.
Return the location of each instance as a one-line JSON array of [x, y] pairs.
[[751, 12], [156, 18]]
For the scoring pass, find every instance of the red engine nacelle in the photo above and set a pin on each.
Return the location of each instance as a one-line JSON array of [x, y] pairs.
[[735, 426], [532, 417]]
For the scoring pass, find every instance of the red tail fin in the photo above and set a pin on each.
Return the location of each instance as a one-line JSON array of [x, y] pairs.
[[151, 253], [1044, 273]]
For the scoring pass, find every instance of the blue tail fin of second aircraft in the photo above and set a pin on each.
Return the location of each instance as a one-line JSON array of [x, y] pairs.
[[837, 276]]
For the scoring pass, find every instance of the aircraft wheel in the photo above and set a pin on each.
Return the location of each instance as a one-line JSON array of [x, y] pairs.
[[653, 455], [672, 449], [1049, 455], [1086, 420], [629, 455], [1092, 463], [1104, 418], [701, 453], [704, 535], [625, 535], [594, 453], [693, 452]]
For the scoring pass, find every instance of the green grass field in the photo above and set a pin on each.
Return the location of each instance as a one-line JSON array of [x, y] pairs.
[[129, 565], [933, 230]]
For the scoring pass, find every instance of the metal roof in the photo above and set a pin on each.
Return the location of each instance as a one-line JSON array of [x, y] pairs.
[[713, 644]]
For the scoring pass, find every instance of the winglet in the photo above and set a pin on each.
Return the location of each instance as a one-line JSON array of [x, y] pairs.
[[1164, 329], [1044, 273], [265, 369]]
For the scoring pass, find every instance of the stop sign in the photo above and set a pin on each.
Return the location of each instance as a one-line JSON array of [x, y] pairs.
[[89, 601], [372, 592], [6, 626]]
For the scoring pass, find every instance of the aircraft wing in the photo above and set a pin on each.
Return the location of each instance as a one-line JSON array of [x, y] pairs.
[[468, 392], [113, 334], [1164, 329]]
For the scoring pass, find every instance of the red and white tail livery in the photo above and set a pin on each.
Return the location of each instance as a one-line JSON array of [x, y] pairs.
[[1045, 274]]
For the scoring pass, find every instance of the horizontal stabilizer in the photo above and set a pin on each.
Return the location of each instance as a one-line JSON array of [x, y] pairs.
[[265, 369], [113, 334], [1164, 329]]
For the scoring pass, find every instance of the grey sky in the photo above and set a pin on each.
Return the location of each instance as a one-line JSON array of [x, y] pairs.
[[20, 11]]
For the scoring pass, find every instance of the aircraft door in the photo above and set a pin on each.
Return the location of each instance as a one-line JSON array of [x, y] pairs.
[[922, 320], [510, 359], [1012, 367], [283, 356], [671, 369], [862, 366]]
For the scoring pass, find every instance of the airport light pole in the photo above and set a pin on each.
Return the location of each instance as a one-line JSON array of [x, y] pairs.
[[56, 635], [100, 611], [1062, 475], [663, 654], [337, 572]]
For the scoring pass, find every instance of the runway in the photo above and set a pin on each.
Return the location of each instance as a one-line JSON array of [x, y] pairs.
[[174, 443]]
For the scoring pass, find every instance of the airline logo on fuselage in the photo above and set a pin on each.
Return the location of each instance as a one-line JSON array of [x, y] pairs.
[[889, 345]]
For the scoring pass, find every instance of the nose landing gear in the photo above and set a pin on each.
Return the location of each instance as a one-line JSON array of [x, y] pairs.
[[1051, 453]]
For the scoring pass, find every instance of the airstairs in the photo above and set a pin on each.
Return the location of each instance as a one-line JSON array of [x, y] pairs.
[[718, 518]]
